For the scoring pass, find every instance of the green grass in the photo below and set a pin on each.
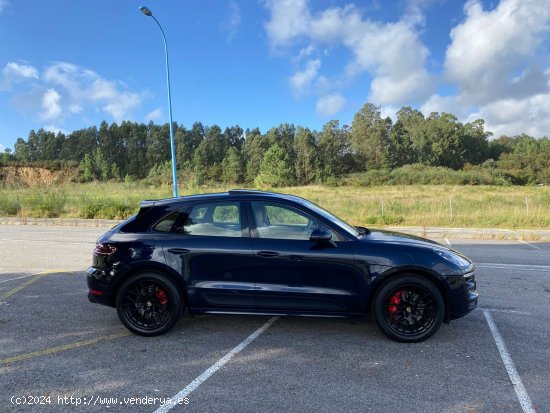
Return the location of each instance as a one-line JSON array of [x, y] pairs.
[[412, 205]]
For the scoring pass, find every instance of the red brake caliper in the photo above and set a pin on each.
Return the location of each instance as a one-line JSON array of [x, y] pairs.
[[394, 301], [161, 296]]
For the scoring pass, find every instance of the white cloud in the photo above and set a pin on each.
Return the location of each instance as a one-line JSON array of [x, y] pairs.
[[154, 115], [51, 107], [301, 80], [3, 4], [489, 47], [494, 61], [2, 148], [289, 19], [55, 129], [15, 72], [391, 52], [329, 105], [64, 90], [233, 22], [84, 88], [516, 116]]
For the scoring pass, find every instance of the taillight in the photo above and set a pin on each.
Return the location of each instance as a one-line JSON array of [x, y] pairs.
[[104, 249]]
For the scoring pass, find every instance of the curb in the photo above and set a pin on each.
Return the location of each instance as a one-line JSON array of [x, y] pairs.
[[67, 222], [429, 232], [476, 233]]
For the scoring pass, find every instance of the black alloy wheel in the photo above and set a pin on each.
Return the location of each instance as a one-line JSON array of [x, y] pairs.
[[148, 304], [409, 309]]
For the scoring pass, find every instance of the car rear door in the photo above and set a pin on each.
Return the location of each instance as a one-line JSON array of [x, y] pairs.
[[210, 247]]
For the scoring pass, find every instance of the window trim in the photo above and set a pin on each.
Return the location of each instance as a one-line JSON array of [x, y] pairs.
[[243, 218]]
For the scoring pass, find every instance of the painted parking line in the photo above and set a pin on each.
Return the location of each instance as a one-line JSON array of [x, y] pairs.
[[506, 310], [35, 278], [41, 241], [523, 397], [64, 347], [531, 245], [522, 267], [169, 405], [19, 278], [448, 242]]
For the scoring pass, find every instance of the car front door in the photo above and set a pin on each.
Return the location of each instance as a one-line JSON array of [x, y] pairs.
[[294, 273], [210, 246]]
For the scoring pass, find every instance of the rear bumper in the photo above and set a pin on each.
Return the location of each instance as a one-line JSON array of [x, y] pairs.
[[99, 287]]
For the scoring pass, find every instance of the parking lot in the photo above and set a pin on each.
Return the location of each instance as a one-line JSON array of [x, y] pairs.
[[55, 345]]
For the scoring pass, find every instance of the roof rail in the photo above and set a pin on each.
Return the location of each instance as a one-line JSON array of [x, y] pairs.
[[246, 191]]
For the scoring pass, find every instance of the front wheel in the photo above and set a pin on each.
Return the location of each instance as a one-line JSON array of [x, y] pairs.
[[409, 309], [148, 304]]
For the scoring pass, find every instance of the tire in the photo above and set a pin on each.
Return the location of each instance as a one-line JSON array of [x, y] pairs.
[[148, 304], [409, 309]]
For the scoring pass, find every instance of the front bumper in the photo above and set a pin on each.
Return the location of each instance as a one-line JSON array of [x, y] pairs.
[[465, 296]]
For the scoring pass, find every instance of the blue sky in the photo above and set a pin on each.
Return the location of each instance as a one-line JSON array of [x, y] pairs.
[[70, 64]]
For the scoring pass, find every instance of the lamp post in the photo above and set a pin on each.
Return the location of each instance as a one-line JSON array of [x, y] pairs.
[[148, 13]]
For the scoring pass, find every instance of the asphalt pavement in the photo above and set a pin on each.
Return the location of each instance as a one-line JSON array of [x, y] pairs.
[[60, 353]]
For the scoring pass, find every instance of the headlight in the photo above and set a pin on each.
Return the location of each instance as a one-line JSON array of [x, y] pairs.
[[456, 259]]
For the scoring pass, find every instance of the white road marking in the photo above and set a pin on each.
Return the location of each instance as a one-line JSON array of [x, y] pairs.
[[523, 397], [214, 368], [47, 241], [448, 242], [18, 278], [505, 310], [531, 245], [523, 267]]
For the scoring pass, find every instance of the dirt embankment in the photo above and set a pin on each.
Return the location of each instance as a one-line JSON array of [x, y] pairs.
[[36, 176]]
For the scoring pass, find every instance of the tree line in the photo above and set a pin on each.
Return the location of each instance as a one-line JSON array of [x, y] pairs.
[[287, 154]]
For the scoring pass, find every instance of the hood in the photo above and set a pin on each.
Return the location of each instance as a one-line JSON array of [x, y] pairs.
[[399, 237]]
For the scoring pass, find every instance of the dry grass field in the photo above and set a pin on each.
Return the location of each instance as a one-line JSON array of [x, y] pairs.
[[415, 205]]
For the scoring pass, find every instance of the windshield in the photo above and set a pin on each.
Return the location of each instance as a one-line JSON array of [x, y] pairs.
[[333, 218]]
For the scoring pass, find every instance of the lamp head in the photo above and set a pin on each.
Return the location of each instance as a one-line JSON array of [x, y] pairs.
[[146, 11]]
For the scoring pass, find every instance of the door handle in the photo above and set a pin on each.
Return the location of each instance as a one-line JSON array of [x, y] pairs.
[[268, 254], [178, 251]]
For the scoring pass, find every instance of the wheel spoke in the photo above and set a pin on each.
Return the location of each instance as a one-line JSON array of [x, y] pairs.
[[142, 307], [415, 312]]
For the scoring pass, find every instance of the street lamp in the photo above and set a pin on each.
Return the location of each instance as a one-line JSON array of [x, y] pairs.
[[148, 13]]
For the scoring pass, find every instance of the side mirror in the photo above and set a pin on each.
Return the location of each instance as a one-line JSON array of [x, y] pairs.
[[320, 235]]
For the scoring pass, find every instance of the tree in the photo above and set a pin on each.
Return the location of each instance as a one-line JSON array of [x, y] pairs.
[[254, 149], [475, 143], [87, 168], [370, 137], [307, 161], [444, 136], [209, 155], [276, 168], [232, 167], [335, 155], [21, 150]]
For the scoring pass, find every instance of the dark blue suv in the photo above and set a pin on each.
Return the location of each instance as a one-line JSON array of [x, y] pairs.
[[254, 252]]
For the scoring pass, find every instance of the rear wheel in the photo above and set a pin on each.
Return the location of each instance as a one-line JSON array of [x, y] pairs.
[[409, 309], [148, 304]]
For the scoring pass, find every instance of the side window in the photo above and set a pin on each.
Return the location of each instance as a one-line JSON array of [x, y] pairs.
[[167, 223], [277, 221], [215, 220]]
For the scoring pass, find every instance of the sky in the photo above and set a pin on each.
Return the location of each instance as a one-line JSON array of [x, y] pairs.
[[67, 64]]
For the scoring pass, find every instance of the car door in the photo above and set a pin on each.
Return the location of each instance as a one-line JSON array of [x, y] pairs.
[[210, 247], [296, 274]]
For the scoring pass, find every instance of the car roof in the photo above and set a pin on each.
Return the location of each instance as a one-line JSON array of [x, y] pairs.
[[232, 194]]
